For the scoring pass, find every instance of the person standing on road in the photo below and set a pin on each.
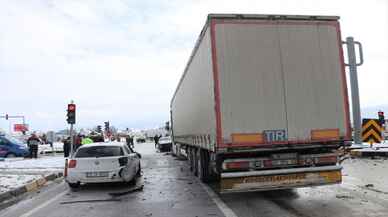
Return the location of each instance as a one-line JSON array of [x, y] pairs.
[[131, 141], [86, 140], [156, 139], [77, 141], [66, 147], [128, 140], [33, 143]]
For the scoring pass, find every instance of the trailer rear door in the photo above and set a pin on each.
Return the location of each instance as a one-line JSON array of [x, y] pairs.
[[280, 82]]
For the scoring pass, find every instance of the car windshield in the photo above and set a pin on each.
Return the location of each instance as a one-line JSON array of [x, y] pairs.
[[99, 151]]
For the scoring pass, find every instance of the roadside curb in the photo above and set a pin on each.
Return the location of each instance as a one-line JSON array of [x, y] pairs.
[[368, 152], [29, 187]]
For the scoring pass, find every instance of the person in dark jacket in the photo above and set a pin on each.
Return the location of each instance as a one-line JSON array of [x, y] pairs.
[[33, 142], [66, 147], [128, 140], [131, 141], [78, 141], [156, 139]]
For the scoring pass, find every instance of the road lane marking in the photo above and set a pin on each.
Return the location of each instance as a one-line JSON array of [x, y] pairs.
[[29, 213], [228, 212]]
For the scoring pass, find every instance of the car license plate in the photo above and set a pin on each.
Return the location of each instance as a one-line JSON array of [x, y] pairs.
[[96, 174]]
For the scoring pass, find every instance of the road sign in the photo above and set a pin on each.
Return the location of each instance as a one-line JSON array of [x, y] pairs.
[[371, 131], [20, 127]]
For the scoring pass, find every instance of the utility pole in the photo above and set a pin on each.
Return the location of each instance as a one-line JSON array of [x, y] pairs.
[[352, 64], [71, 108]]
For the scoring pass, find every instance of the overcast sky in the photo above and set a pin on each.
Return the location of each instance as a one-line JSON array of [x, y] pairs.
[[121, 60]]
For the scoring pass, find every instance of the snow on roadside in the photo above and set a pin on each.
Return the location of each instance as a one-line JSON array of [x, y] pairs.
[[58, 147], [364, 172], [43, 162], [15, 172], [8, 182]]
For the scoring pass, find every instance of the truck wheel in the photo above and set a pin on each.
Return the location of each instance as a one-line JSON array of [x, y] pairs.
[[194, 152], [190, 158], [203, 165], [74, 185]]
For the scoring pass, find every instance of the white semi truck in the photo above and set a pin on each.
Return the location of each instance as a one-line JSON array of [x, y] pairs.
[[262, 103]]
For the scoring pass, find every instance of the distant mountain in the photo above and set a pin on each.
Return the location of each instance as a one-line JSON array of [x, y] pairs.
[[371, 112]]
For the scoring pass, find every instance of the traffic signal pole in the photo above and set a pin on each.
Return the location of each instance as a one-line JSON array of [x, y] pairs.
[[352, 64], [71, 108], [71, 140]]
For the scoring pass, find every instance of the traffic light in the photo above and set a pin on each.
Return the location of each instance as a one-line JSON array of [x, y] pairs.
[[71, 113], [381, 117], [99, 128], [106, 126], [6, 116]]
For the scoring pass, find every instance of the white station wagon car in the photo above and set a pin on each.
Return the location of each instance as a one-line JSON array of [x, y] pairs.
[[102, 162]]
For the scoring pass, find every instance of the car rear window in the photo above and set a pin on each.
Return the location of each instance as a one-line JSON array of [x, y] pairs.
[[99, 151]]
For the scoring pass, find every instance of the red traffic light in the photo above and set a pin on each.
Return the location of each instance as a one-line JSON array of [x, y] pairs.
[[71, 107], [380, 113]]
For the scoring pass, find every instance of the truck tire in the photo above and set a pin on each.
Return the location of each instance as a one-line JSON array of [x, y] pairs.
[[74, 185], [203, 165], [195, 161], [191, 158]]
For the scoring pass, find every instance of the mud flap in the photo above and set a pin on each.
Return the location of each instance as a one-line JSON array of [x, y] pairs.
[[281, 181]]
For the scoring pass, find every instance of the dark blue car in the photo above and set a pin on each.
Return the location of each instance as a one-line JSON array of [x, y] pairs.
[[12, 147]]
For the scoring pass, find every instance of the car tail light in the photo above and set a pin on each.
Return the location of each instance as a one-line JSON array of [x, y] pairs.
[[236, 165], [72, 164]]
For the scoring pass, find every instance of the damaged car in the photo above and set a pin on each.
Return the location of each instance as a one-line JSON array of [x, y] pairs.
[[102, 162]]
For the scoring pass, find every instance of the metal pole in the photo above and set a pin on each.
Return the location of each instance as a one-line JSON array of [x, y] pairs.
[[354, 86], [71, 140]]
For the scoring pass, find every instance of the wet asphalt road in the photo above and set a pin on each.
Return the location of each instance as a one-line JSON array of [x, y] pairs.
[[170, 190]]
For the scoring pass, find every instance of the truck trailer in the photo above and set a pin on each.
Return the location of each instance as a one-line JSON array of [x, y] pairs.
[[262, 103]]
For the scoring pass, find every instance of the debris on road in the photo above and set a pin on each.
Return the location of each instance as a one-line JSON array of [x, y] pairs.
[[344, 197], [134, 189], [91, 201]]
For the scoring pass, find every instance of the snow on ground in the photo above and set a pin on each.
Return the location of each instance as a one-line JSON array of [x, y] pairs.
[[43, 162], [58, 147], [9, 181], [383, 144], [15, 172], [363, 172]]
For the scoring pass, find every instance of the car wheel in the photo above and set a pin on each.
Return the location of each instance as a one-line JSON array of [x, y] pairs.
[[74, 185], [10, 155]]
